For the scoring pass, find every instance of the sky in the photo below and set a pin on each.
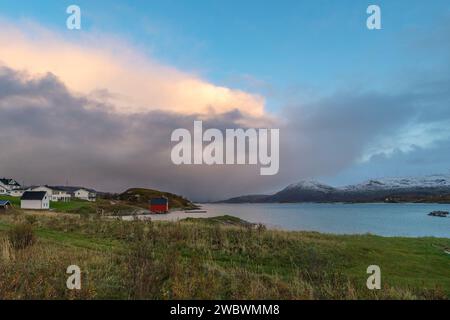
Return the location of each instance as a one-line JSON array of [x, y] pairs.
[[96, 106]]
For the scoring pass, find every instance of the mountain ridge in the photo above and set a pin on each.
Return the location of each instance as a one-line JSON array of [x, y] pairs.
[[431, 188]]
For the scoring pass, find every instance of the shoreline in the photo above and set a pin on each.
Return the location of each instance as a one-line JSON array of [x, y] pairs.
[[177, 216]]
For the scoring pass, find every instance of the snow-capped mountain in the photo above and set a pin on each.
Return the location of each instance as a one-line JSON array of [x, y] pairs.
[[433, 181], [310, 185], [411, 189]]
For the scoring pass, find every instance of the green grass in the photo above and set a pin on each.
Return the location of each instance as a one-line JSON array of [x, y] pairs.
[[83, 207], [15, 201], [408, 262], [74, 206], [221, 220], [215, 258], [107, 207], [128, 203]]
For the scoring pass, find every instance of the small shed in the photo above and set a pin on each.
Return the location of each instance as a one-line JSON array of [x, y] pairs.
[[35, 200], [4, 205], [159, 205]]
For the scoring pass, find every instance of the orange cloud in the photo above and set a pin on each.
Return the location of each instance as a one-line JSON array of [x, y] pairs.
[[136, 83]]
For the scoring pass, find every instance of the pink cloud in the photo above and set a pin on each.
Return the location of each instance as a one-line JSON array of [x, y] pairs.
[[134, 83]]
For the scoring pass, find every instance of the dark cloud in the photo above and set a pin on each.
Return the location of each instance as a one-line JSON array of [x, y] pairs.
[[51, 136], [335, 133]]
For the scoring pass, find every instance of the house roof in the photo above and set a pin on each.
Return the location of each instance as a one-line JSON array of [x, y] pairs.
[[42, 187], [72, 189], [34, 195], [159, 201], [9, 182], [4, 203]]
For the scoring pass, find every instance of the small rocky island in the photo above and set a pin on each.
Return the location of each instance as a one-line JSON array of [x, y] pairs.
[[442, 214]]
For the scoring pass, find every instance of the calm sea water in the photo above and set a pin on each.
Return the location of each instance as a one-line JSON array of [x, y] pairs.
[[409, 220]]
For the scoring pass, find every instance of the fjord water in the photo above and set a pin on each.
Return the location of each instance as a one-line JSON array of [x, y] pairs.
[[399, 219], [410, 220]]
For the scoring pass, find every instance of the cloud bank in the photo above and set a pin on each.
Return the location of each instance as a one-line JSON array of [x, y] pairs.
[[50, 135], [101, 65]]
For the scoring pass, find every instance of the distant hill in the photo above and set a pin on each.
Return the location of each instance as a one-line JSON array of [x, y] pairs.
[[434, 188], [140, 197], [247, 199]]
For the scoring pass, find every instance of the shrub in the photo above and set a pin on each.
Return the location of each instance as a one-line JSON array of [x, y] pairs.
[[6, 250], [31, 219], [21, 236]]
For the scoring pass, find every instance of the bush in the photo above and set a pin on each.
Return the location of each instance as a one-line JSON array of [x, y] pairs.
[[6, 250], [21, 236], [31, 219]]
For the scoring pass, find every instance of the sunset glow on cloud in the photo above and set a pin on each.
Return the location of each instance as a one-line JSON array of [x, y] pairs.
[[133, 83]]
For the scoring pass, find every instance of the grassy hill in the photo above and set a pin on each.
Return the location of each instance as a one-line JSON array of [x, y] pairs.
[[140, 197]]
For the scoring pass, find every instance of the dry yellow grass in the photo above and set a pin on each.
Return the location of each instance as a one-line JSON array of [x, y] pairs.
[[204, 260]]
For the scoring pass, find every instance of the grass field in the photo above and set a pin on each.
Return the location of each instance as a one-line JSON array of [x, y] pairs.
[[78, 206], [75, 206], [131, 202], [219, 258]]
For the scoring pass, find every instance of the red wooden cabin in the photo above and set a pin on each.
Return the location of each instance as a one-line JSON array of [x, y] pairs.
[[159, 205]]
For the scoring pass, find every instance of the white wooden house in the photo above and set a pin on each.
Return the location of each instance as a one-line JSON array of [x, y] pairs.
[[61, 196], [45, 189], [35, 200], [3, 189], [16, 193], [54, 194], [8, 185], [85, 194]]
